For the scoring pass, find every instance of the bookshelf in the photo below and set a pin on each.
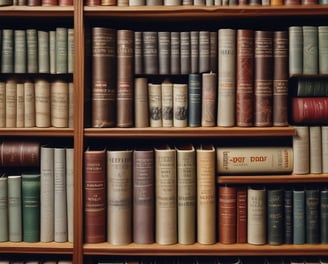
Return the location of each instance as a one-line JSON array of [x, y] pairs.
[[82, 18]]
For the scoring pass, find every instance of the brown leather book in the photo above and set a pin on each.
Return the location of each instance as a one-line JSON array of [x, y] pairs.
[[263, 78], [241, 215], [19, 154], [92, 2], [292, 2], [94, 195], [245, 75], [150, 52], [65, 2], [310, 110], [49, 2], [103, 77], [280, 78], [227, 214], [125, 77], [34, 2]]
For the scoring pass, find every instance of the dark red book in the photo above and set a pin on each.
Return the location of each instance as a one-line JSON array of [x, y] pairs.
[[310, 110], [241, 215]]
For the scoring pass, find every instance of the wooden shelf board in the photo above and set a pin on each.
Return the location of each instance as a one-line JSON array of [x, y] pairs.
[[36, 11], [199, 132], [37, 132], [199, 250], [36, 248]]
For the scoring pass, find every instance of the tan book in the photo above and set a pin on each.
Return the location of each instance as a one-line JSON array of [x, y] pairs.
[[20, 105], [186, 182], [209, 94], [70, 104], [165, 196], [29, 104], [206, 201], [70, 50], [315, 149], [141, 116], [180, 105], [44, 51], [254, 160], [119, 196], [2, 104], [301, 148], [167, 103], [42, 103], [155, 105], [61, 50], [11, 103], [70, 192], [52, 51], [324, 142], [59, 103]]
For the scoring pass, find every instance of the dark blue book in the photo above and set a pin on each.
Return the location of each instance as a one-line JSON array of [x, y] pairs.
[[275, 213], [288, 215], [298, 217], [312, 199], [194, 100]]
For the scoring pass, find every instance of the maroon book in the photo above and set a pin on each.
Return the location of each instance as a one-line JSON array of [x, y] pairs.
[[241, 215], [49, 2], [310, 110]]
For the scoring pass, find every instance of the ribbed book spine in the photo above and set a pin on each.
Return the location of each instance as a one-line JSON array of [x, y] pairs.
[[315, 149], [20, 105], [288, 216], [141, 114], [241, 214], [295, 50], [204, 51], [52, 51], [275, 216], [29, 104], [299, 217], [150, 52], [214, 51], [194, 51], [11, 103], [301, 149], [209, 94], [175, 52], [312, 218], [70, 50], [310, 49], [194, 100], [15, 208], [138, 53], [20, 51], [4, 224], [164, 54]]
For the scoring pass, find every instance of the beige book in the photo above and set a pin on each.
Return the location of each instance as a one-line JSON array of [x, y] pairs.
[[165, 195], [155, 105], [70, 192], [209, 94], [301, 149], [2, 104], [180, 104], [141, 116], [186, 182], [20, 105], [52, 51], [119, 196], [324, 142], [70, 50], [70, 104], [206, 213], [315, 149], [256, 216], [42, 103], [11, 103], [252, 160], [59, 104], [29, 104], [167, 103]]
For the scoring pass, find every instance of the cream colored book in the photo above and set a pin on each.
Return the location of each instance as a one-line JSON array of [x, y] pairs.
[[29, 104], [301, 148], [70, 192], [11, 103], [20, 105], [167, 103], [59, 104], [180, 105], [206, 202], [141, 115], [315, 149], [155, 105], [42, 103]]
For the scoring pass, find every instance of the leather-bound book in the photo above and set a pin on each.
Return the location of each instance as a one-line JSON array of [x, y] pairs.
[[288, 216], [241, 215], [175, 52], [322, 49], [42, 103], [7, 51], [20, 51], [275, 216], [312, 218], [214, 51], [70, 50], [33, 2], [32, 50], [103, 77], [125, 71], [194, 51], [194, 100], [164, 52], [324, 216], [245, 75], [204, 51], [49, 2], [61, 50], [309, 110], [11, 103], [141, 115], [93, 2], [15, 208], [299, 228], [209, 102], [65, 2], [185, 52], [44, 53], [138, 53], [315, 149], [263, 89], [295, 36], [4, 221], [20, 105], [59, 103], [150, 52]]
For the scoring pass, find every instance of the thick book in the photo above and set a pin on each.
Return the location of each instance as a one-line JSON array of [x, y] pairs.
[[301, 149], [141, 107], [165, 195], [256, 215], [324, 216], [227, 216], [194, 100], [209, 99], [323, 49], [299, 227], [125, 75], [310, 49], [263, 78], [295, 34], [226, 77], [258, 160], [143, 196], [312, 215], [206, 194], [20, 48], [59, 103], [7, 50], [186, 193], [15, 230], [244, 77], [103, 77], [42, 103], [241, 214], [119, 196], [95, 195], [310, 87], [180, 105], [4, 224], [275, 216], [31, 207], [150, 52], [43, 51], [309, 110]]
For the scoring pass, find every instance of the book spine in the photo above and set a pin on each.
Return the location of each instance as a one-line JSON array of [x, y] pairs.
[[280, 78], [324, 148], [226, 79], [143, 196], [155, 104], [180, 105], [59, 103], [323, 49], [20, 105], [275, 214], [301, 149], [4, 223], [138, 53], [167, 103], [70, 50], [52, 51], [125, 49], [204, 51], [315, 149], [164, 55], [11, 103], [15, 232], [295, 50], [103, 77], [2, 104], [32, 50], [71, 104], [31, 207], [288, 216], [43, 52], [310, 49], [312, 216], [186, 194], [206, 196], [61, 50], [7, 51], [214, 51], [299, 217], [245, 75], [166, 196], [20, 51], [141, 117], [70, 192], [150, 52], [241, 215], [185, 52], [175, 52], [95, 195], [263, 89], [119, 197], [42, 103], [194, 100], [29, 104], [324, 216], [305, 110], [209, 94], [194, 51]]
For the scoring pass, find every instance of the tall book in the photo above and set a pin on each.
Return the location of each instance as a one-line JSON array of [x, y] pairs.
[[61, 50], [52, 51], [186, 193], [59, 103], [42, 103], [301, 149], [208, 97], [310, 49], [167, 93], [60, 195], [11, 103], [165, 195], [138, 54], [323, 49], [4, 224], [164, 54], [324, 147], [29, 104], [70, 192], [245, 75], [32, 50], [312, 215], [70, 105], [119, 196], [150, 52], [241, 214], [141, 115], [256, 215], [95, 195], [185, 52], [103, 77], [227, 216], [20, 48], [315, 149], [275, 216], [175, 52], [214, 51], [7, 51], [31, 207], [288, 216], [248, 160], [280, 78], [2, 104], [43, 51], [155, 104], [194, 100], [263, 79], [324, 216], [15, 230], [47, 193], [180, 105], [70, 50], [206, 196], [295, 34], [204, 51], [143, 196], [226, 77], [20, 105], [299, 227], [194, 51], [125, 71]]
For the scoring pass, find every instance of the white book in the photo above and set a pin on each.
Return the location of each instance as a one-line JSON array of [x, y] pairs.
[[315, 149], [324, 146], [301, 150], [70, 192]]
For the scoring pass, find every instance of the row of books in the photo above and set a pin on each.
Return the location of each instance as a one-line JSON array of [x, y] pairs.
[[36, 2], [36, 103], [37, 205], [37, 51], [21, 261]]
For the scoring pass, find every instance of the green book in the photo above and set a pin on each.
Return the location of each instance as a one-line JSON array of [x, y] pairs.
[[32, 50], [3, 209], [20, 51], [15, 208], [31, 207], [43, 52], [7, 52], [310, 50], [70, 50], [61, 50], [323, 49], [6, 2]]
